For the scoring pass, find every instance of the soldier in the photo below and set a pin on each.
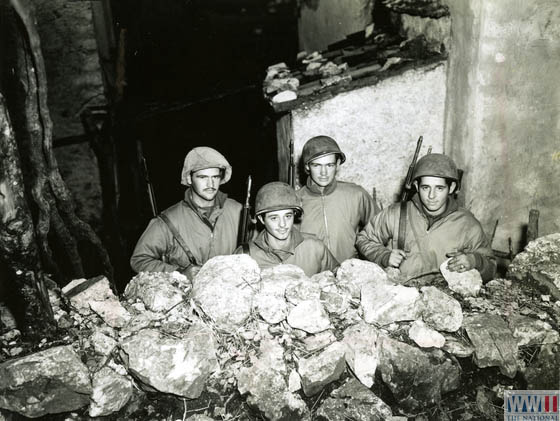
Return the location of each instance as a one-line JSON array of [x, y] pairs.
[[202, 225], [335, 211], [276, 207], [435, 228]]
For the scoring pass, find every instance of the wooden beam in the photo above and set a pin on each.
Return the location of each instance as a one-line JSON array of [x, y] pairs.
[[284, 137]]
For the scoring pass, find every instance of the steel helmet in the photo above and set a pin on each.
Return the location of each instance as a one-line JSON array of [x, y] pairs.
[[436, 165], [319, 146], [201, 158], [276, 196]]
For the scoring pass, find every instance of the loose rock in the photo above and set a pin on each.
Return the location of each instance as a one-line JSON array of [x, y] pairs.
[[309, 316], [416, 377], [458, 347], [100, 290], [441, 311], [356, 273], [493, 341], [464, 283], [361, 351], [224, 289], [172, 365], [321, 369], [385, 304], [529, 331], [542, 374], [319, 341], [424, 336], [111, 391], [47, 382], [111, 311], [159, 291]]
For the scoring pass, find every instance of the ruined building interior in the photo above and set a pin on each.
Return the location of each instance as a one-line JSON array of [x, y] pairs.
[[101, 100]]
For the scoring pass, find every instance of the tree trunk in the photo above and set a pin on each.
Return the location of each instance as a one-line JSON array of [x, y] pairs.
[[41, 209]]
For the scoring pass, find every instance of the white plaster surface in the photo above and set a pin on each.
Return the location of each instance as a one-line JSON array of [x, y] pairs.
[[377, 127]]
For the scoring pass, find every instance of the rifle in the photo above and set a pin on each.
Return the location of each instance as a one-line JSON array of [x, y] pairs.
[[146, 175], [407, 192], [243, 237], [292, 167], [407, 189]]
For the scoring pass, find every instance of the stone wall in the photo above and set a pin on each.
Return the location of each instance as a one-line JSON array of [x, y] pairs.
[[503, 112], [323, 22], [377, 127]]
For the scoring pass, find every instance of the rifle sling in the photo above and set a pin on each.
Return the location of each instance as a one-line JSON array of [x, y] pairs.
[[178, 237], [402, 225]]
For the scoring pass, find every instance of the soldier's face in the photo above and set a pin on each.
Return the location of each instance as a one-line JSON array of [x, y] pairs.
[[323, 170], [434, 192], [205, 183], [278, 223]]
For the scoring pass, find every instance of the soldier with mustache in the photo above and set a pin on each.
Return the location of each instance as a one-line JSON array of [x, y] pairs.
[[202, 225]]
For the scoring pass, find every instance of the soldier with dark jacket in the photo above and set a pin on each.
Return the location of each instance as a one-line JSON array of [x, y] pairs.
[[436, 228], [276, 207], [202, 225], [335, 211]]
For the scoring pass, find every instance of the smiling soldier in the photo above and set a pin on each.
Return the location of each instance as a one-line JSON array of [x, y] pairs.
[[277, 207], [437, 228], [334, 211], [202, 225]]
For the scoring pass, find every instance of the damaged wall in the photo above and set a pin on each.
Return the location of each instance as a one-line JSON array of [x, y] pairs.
[[75, 82], [323, 22], [377, 127], [503, 112]]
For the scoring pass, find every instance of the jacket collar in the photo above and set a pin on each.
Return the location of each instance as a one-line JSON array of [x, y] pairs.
[[451, 207], [210, 221], [314, 189], [296, 238]]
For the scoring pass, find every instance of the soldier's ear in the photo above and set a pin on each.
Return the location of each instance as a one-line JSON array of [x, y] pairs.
[[261, 219], [189, 179], [452, 187], [306, 168], [415, 184]]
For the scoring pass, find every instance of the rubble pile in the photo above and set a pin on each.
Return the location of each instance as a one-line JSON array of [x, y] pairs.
[[243, 343], [362, 59]]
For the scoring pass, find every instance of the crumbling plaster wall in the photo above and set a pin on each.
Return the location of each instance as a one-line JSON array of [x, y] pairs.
[[377, 127], [503, 112], [74, 80], [323, 22]]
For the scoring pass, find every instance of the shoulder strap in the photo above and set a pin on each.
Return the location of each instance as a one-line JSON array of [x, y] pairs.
[[178, 237], [402, 225]]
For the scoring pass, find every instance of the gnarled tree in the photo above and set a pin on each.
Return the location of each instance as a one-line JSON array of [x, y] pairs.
[[40, 232]]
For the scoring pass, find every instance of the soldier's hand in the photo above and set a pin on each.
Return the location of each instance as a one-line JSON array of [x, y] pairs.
[[191, 271], [460, 262], [396, 258]]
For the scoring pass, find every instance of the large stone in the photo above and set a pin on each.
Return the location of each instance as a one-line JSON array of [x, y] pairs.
[[309, 316], [321, 369], [172, 365], [544, 372], [224, 289], [159, 291], [112, 389], [529, 331], [354, 401], [424, 336], [47, 382], [272, 308], [111, 311], [416, 378], [459, 347], [540, 263], [385, 304], [356, 273], [319, 340], [99, 290], [265, 381], [277, 278], [102, 343], [493, 342], [361, 351], [304, 290], [335, 297], [441, 311], [464, 283]]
